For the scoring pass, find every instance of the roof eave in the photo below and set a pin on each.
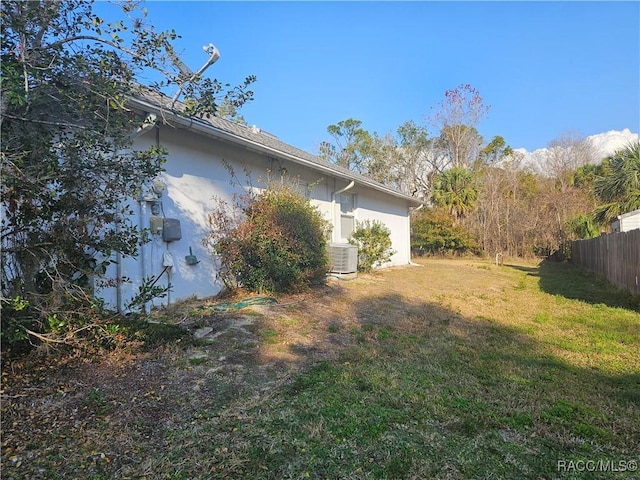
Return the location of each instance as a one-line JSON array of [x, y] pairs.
[[210, 130]]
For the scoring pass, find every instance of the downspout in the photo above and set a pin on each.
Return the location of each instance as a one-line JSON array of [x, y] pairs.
[[118, 273], [170, 270], [148, 123], [333, 206], [142, 214]]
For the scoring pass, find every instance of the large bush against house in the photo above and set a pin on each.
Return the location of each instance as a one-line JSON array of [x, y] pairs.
[[373, 239], [279, 243]]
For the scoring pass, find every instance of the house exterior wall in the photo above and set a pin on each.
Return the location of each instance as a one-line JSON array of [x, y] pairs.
[[195, 174], [392, 212], [629, 221]]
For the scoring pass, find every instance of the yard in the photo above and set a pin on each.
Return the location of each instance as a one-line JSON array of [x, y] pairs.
[[451, 369]]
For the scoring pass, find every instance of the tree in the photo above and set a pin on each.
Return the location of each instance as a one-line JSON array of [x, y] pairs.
[[456, 190], [68, 168], [378, 158], [618, 188], [584, 177], [351, 145], [583, 227], [230, 111], [522, 213], [565, 154], [456, 117], [461, 145], [416, 160], [407, 161], [496, 150], [433, 232]]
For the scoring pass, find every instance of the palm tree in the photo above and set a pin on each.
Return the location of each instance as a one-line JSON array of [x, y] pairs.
[[457, 190], [618, 189]]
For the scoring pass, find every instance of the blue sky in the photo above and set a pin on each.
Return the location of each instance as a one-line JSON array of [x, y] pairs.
[[545, 68]]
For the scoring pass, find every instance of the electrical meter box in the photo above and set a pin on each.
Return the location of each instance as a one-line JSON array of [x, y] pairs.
[[156, 225], [171, 231]]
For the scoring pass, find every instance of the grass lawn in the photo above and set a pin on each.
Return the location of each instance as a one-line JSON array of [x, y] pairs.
[[454, 369]]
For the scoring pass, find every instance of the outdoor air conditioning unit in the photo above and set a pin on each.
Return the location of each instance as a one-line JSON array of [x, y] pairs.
[[343, 258]]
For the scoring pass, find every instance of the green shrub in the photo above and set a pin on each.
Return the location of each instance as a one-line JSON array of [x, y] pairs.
[[583, 227], [373, 240], [433, 232], [17, 318], [75, 322], [279, 245]]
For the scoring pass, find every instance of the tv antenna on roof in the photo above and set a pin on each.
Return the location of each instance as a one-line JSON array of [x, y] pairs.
[[187, 73]]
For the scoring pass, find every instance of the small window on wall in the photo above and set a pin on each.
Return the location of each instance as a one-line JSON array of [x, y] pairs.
[[347, 217]]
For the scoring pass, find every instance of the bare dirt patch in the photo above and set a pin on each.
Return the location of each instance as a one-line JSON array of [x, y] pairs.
[[117, 406]]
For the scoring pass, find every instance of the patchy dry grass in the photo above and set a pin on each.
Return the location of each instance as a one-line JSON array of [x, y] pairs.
[[452, 369]]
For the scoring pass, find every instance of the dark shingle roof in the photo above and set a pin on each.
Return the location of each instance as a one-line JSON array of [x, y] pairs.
[[251, 137]]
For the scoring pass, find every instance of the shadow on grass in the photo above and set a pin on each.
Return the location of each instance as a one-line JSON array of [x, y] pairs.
[[531, 271], [473, 386], [575, 283], [497, 348], [417, 391]]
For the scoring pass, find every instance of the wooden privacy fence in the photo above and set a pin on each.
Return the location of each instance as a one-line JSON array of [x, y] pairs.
[[616, 256]]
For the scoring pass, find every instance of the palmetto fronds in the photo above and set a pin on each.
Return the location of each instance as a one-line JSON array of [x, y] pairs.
[[619, 187]]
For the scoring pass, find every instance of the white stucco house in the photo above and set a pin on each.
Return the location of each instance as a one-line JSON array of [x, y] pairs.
[[626, 222], [177, 208]]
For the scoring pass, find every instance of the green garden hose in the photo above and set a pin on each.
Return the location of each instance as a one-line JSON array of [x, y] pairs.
[[247, 302]]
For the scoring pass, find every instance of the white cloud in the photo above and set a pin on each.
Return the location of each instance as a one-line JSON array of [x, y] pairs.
[[608, 142], [604, 144]]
